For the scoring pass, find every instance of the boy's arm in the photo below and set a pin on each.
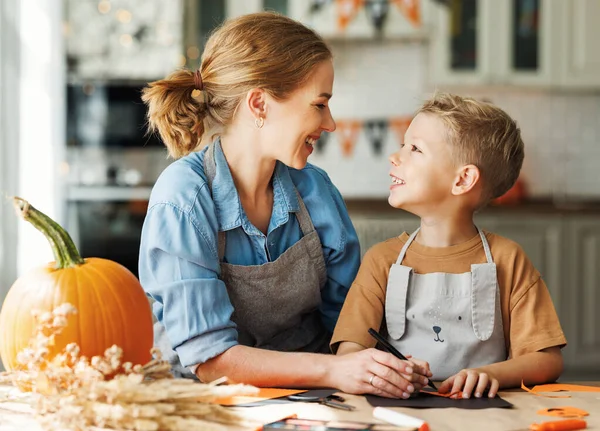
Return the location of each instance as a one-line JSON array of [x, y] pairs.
[[535, 341], [531, 368], [346, 347], [364, 305]]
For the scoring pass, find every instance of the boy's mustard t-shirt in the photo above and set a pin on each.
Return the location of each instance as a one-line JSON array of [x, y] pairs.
[[528, 314]]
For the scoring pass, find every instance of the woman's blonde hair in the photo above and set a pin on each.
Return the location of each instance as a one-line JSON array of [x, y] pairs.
[[262, 50], [481, 134]]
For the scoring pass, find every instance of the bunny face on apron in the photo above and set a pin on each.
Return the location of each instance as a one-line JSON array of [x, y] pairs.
[[452, 321]]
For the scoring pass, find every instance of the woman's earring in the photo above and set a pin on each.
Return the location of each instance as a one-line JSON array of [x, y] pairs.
[[259, 122]]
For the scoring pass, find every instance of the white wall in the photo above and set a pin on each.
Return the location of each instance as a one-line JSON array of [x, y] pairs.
[[9, 135], [41, 120], [32, 129]]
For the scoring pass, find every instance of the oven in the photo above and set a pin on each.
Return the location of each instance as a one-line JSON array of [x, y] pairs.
[[112, 164]]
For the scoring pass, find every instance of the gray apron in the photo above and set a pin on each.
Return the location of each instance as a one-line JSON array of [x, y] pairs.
[[276, 304], [452, 321]]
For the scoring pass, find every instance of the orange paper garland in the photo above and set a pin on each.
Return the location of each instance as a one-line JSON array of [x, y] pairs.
[[411, 9], [348, 130], [346, 11]]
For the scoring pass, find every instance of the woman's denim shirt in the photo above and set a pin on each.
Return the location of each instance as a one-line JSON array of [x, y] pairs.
[[179, 266]]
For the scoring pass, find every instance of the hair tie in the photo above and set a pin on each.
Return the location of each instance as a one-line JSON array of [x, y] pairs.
[[198, 84]]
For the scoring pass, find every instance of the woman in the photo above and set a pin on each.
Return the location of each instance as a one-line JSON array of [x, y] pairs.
[[248, 251]]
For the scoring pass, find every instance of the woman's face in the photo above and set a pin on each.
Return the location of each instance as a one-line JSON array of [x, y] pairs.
[[292, 126]]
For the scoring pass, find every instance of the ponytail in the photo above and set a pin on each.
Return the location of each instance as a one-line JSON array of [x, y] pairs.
[[174, 113]]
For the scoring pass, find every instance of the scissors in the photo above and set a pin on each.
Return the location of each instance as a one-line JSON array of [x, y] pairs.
[[334, 401]]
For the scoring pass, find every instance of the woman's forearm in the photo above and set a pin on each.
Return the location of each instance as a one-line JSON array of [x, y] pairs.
[[532, 368], [266, 368]]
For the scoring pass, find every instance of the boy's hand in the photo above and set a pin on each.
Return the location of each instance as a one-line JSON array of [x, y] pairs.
[[470, 381]]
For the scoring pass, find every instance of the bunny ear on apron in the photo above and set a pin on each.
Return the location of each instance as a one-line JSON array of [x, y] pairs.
[[484, 293], [395, 303], [483, 299]]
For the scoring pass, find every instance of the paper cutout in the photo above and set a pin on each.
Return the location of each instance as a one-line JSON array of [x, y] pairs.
[[449, 395], [316, 5], [411, 9], [563, 412], [263, 394], [400, 126], [562, 425], [424, 401], [559, 387], [376, 131], [525, 388], [378, 12], [346, 11], [322, 142], [348, 130]]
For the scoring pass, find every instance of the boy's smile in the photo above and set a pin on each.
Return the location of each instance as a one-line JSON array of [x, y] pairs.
[[396, 181]]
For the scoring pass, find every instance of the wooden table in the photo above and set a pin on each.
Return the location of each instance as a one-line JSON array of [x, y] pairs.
[[518, 418]]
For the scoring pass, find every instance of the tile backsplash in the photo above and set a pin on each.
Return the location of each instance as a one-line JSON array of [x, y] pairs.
[[561, 132]]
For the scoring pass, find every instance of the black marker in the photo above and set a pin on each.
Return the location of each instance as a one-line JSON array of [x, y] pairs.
[[387, 346]]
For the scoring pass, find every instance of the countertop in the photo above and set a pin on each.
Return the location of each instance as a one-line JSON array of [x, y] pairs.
[[18, 416], [533, 206]]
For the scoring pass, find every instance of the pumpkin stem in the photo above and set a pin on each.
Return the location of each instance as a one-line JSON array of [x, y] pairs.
[[63, 247]]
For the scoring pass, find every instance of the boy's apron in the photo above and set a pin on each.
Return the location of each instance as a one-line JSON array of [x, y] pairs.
[[452, 321], [276, 304]]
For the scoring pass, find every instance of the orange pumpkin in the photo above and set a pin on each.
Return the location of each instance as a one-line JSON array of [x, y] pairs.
[[112, 307]]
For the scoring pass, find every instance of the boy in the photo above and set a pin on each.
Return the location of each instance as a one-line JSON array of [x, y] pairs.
[[470, 303]]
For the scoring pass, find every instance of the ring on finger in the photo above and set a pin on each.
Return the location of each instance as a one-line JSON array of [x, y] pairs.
[[371, 379]]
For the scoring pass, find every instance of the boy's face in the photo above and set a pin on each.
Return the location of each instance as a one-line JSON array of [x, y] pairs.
[[422, 171]]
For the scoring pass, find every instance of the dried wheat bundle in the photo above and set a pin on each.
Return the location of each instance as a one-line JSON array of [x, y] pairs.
[[77, 393]]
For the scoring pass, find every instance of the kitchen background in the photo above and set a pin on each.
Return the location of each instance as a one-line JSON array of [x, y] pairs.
[[73, 138]]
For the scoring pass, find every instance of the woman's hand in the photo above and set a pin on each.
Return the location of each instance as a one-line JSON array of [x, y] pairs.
[[420, 363], [470, 381], [373, 371]]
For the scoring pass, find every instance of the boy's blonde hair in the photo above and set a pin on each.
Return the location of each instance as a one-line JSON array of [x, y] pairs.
[[481, 134], [262, 50]]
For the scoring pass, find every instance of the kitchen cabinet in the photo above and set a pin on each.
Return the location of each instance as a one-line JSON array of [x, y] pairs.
[[403, 19], [461, 42], [543, 43], [487, 42], [541, 237], [563, 246], [580, 55], [201, 18], [582, 291]]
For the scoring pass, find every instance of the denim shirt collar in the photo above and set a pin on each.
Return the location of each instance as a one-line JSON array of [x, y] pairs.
[[230, 213]]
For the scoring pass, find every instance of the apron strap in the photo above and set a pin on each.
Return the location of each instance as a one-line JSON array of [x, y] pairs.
[[303, 217], [406, 245], [486, 246], [210, 169]]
